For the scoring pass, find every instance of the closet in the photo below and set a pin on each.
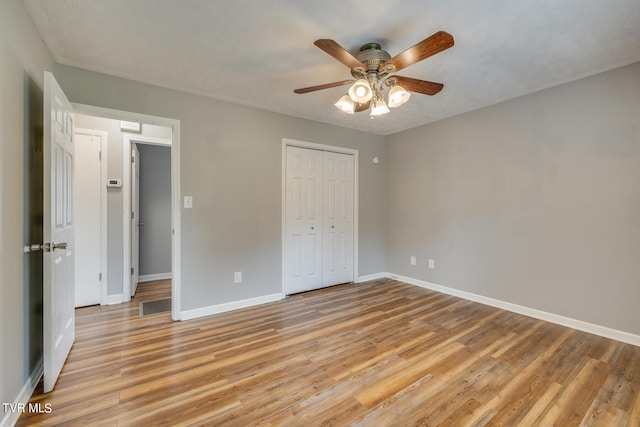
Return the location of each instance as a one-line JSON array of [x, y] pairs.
[[319, 224]]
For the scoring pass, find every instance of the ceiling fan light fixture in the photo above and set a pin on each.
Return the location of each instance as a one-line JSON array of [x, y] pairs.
[[360, 91], [374, 72], [398, 96], [379, 107], [346, 104]]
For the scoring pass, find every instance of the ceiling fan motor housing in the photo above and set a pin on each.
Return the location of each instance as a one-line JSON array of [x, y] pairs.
[[372, 56]]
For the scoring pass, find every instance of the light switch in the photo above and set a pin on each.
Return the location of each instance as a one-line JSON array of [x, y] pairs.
[[188, 202]]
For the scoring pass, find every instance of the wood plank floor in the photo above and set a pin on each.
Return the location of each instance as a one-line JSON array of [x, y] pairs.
[[380, 353]]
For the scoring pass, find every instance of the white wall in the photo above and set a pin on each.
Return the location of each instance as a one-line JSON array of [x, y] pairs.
[[23, 59], [231, 165], [534, 201]]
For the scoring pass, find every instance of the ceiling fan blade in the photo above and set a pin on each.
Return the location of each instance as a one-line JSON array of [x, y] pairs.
[[339, 53], [436, 43], [324, 86], [362, 106], [420, 86]]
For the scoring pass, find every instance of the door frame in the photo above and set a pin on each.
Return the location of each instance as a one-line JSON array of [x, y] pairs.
[[127, 237], [286, 142], [104, 146], [134, 208], [174, 124]]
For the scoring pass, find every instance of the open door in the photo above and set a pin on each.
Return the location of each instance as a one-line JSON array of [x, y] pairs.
[[135, 218], [58, 246]]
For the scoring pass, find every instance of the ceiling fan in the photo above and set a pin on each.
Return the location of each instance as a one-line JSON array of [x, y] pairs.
[[373, 69]]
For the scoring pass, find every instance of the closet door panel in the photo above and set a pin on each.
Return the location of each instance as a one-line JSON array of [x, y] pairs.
[[337, 218], [303, 219]]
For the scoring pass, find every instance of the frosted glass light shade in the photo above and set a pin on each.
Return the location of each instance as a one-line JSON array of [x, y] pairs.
[[398, 96], [379, 107], [360, 91], [346, 104]]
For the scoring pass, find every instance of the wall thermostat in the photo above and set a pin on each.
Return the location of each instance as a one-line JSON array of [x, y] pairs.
[[114, 183]]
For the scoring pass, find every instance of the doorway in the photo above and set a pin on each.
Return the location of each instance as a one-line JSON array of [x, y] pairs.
[[147, 196], [118, 288]]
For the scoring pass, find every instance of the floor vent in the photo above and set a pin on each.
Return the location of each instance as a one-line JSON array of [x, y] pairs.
[[155, 307]]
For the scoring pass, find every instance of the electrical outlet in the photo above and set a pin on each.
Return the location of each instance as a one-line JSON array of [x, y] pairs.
[[413, 260], [237, 277], [432, 264]]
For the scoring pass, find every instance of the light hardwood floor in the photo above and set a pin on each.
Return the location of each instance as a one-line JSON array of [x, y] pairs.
[[381, 353]]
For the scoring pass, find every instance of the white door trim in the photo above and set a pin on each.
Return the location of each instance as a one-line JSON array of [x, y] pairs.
[[130, 139], [305, 144], [103, 207], [174, 124], [133, 185]]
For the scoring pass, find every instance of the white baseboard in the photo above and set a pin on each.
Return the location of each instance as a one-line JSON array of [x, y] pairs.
[[152, 277], [114, 299], [234, 305], [11, 418], [580, 325], [375, 276]]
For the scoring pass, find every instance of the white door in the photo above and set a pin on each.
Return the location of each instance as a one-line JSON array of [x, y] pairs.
[[58, 292], [319, 206], [337, 219], [303, 240], [88, 215], [135, 217]]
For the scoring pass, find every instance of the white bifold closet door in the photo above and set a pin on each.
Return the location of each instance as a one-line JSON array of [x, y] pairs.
[[318, 219], [337, 218]]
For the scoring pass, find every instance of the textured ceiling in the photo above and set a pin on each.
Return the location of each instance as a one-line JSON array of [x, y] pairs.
[[255, 52]]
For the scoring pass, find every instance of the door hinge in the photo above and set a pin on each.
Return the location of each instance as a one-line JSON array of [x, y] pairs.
[[132, 271], [100, 277], [99, 155], [133, 159], [133, 215]]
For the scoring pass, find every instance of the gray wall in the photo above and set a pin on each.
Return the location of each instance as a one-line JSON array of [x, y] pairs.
[[534, 201], [155, 209], [23, 58], [115, 201], [231, 163]]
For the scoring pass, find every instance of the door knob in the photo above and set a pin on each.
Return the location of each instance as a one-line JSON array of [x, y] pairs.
[[312, 228], [33, 247], [47, 247]]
